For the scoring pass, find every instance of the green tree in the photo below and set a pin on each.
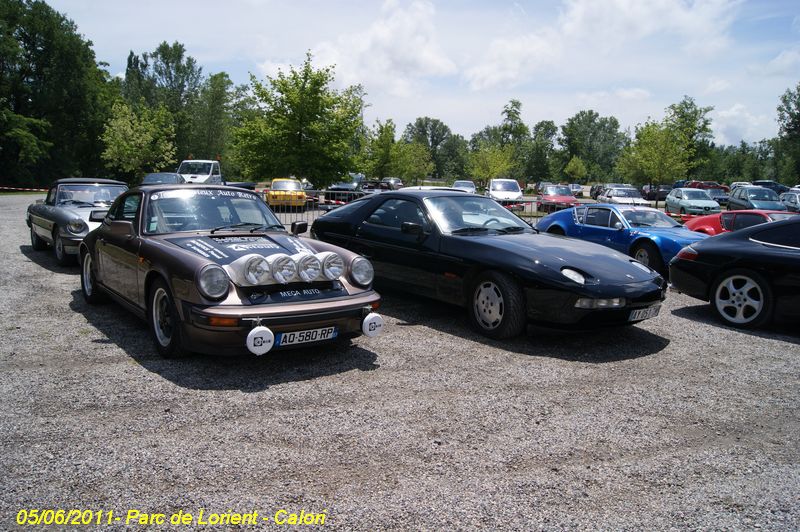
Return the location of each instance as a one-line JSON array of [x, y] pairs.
[[378, 156], [55, 96], [411, 162], [789, 132], [306, 127], [490, 162], [455, 156], [432, 133], [658, 154], [595, 139], [576, 170], [541, 152], [211, 117], [694, 125], [139, 140]]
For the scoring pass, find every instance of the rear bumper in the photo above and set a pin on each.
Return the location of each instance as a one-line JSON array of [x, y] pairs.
[[198, 334]]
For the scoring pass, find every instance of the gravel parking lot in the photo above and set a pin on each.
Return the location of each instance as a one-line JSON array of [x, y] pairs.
[[676, 422]]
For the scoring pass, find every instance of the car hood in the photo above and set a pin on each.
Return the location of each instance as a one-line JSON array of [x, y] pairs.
[[701, 203], [226, 249], [682, 235], [505, 195], [560, 199], [542, 250], [344, 186], [194, 178], [630, 201], [768, 205]]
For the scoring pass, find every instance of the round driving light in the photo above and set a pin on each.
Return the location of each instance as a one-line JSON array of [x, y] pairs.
[[573, 275], [282, 267], [76, 226], [213, 282], [308, 267], [256, 270], [361, 270], [332, 265]]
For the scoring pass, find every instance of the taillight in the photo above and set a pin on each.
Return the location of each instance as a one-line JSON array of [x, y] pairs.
[[687, 253]]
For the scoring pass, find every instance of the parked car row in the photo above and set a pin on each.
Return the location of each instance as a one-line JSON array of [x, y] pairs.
[[211, 269]]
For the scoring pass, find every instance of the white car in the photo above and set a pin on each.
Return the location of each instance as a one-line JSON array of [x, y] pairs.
[[622, 196], [690, 201], [201, 171], [741, 184], [502, 190], [465, 185]]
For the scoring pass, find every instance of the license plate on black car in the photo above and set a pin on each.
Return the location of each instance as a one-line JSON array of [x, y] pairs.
[[302, 337], [644, 313]]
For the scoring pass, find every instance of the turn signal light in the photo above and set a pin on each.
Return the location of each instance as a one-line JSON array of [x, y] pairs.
[[687, 253], [223, 322], [376, 305]]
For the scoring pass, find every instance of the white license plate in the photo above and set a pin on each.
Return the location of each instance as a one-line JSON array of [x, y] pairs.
[[302, 337], [644, 313]]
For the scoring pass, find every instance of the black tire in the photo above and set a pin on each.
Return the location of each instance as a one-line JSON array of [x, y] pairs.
[[496, 306], [648, 254], [163, 320], [555, 230], [62, 257], [92, 293], [37, 242], [742, 298]]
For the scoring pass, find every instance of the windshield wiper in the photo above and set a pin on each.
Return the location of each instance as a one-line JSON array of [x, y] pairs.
[[509, 229], [234, 226], [468, 230], [641, 224], [267, 227], [79, 202]]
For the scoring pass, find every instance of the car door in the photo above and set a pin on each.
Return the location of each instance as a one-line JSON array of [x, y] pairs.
[[118, 248], [400, 257], [42, 216], [747, 219], [618, 238], [595, 225]]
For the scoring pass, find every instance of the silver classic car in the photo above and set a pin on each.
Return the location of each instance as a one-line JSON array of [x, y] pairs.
[[72, 208]]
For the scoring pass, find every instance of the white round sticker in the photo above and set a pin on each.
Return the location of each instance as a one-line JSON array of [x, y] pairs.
[[372, 325], [260, 340]]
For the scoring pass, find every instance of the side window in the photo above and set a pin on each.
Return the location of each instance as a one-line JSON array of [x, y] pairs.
[[614, 219], [678, 194], [393, 212], [215, 169], [580, 214], [125, 208], [786, 235], [598, 217], [726, 221], [51, 197], [743, 220]]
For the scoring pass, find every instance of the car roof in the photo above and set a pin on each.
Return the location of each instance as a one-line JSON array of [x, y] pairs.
[[197, 161], [86, 180], [423, 192], [286, 179], [179, 186], [514, 180]]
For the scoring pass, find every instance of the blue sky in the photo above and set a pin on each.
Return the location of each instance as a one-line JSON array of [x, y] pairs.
[[461, 61]]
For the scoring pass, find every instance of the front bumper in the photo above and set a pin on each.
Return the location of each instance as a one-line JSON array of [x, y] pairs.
[[200, 335], [702, 210]]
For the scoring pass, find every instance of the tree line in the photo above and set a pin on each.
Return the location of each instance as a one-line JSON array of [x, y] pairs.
[[62, 114]]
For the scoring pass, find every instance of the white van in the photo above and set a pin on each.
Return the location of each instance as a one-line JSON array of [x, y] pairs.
[[200, 171]]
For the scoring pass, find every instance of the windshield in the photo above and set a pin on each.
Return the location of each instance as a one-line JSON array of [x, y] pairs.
[[468, 212], [696, 195], [716, 192], [777, 217], [286, 185], [88, 194], [153, 179], [624, 193], [463, 184], [763, 194], [505, 185], [205, 209], [648, 218], [556, 190], [195, 168]]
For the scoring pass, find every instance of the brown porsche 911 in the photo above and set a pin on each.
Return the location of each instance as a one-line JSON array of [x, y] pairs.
[[212, 270]]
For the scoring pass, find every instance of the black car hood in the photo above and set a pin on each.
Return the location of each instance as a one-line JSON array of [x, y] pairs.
[[556, 252], [225, 249]]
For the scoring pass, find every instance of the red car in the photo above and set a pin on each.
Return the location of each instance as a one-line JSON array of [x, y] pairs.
[[705, 185], [715, 224], [556, 197]]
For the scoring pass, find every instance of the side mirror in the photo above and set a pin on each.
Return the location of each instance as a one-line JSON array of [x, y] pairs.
[[122, 228], [298, 228], [410, 228], [618, 226], [97, 216]]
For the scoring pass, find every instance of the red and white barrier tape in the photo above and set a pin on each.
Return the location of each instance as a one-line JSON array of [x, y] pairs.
[[16, 189]]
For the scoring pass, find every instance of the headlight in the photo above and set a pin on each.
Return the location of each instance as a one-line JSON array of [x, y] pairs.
[[573, 275], [361, 271], [213, 282], [76, 226], [332, 265], [282, 267], [308, 266], [256, 270]]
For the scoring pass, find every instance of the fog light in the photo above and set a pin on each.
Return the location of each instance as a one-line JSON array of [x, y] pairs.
[[591, 303]]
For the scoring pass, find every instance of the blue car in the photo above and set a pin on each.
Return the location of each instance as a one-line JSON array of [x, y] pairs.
[[644, 233]]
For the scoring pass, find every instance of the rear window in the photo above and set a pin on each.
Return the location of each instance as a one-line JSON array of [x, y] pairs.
[[786, 235]]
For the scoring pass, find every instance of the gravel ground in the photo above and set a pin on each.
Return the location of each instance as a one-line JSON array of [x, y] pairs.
[[677, 422]]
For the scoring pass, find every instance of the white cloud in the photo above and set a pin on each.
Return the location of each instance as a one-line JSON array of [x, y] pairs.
[[786, 63], [394, 54], [715, 85], [271, 68], [512, 61], [633, 93], [737, 123]]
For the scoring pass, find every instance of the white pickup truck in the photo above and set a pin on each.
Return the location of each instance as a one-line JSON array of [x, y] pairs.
[[201, 171]]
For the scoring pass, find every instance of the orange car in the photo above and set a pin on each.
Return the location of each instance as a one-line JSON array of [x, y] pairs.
[[286, 193]]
